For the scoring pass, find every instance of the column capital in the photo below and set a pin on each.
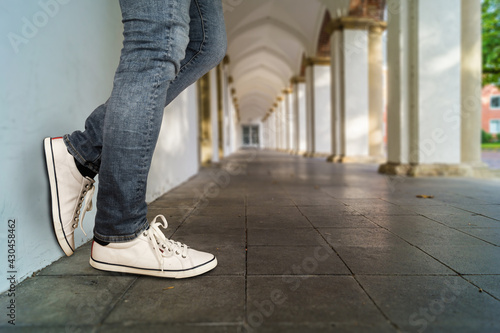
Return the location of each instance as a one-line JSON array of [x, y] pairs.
[[226, 60], [230, 79], [233, 91], [297, 79], [280, 98], [378, 27], [320, 61], [287, 91], [275, 105]]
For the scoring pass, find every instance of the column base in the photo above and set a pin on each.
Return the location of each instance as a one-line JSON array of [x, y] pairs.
[[335, 158], [356, 159], [433, 170], [320, 155]]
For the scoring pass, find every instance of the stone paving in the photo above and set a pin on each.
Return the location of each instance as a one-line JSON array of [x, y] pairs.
[[303, 246]]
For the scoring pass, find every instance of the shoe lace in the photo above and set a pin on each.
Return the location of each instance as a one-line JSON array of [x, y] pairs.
[[162, 245], [87, 194]]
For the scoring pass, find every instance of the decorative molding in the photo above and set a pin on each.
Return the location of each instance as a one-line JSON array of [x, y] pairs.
[[356, 23], [230, 79], [287, 91], [297, 79], [318, 61], [226, 60], [280, 98]]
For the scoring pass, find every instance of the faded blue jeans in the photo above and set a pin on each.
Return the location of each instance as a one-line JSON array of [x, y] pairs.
[[168, 45]]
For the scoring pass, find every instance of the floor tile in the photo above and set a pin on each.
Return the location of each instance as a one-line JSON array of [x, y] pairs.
[[294, 260], [284, 237], [277, 221], [433, 303], [468, 259], [308, 300], [67, 301], [345, 221], [330, 210], [369, 237], [196, 300], [397, 260], [488, 283]]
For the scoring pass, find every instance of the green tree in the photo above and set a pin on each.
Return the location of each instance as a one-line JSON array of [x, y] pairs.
[[491, 41]]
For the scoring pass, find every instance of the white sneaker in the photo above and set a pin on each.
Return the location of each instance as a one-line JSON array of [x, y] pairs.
[[68, 190], [152, 254]]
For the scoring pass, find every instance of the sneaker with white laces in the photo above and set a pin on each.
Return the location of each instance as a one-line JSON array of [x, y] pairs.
[[151, 253], [71, 193]]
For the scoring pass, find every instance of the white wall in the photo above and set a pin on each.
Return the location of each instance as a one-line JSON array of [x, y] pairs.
[[53, 76], [49, 84], [176, 155]]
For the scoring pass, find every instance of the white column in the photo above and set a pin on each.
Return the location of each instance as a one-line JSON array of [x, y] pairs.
[[376, 91], [355, 90], [272, 132], [471, 82], [284, 122], [263, 133], [337, 96], [299, 95], [291, 120], [309, 128], [318, 78], [424, 59], [277, 121], [214, 115], [226, 110], [233, 121]]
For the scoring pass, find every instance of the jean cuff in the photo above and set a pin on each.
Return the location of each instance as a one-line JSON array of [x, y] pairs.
[[71, 149], [122, 238]]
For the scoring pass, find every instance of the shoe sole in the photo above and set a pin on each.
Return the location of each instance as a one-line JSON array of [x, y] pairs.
[[201, 269], [54, 195]]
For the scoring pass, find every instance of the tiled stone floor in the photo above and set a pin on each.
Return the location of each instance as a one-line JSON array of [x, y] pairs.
[[303, 246]]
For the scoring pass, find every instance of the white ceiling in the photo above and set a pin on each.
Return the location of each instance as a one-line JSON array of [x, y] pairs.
[[266, 42]]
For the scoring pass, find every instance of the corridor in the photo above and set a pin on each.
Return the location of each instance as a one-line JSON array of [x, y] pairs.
[[303, 246]]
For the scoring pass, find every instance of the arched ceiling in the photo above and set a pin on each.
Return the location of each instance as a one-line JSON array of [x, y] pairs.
[[266, 42]]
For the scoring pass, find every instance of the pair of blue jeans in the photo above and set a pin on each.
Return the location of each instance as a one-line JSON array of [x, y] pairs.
[[168, 45]]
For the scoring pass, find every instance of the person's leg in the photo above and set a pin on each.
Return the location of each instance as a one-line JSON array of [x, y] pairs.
[[156, 34], [132, 117], [207, 45], [206, 48]]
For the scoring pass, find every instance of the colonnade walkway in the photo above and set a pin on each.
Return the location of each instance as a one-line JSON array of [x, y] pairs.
[[303, 246]]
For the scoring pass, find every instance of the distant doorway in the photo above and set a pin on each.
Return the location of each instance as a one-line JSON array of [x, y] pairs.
[[251, 136]]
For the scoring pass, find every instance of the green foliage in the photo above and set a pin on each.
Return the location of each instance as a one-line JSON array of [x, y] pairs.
[[486, 137], [491, 41]]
